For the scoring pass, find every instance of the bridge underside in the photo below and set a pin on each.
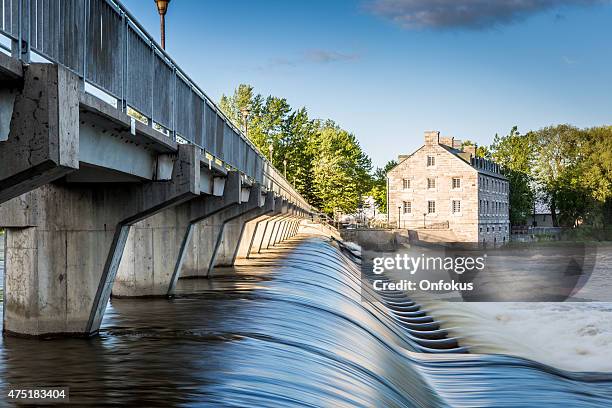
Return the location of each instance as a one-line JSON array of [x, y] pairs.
[[94, 203]]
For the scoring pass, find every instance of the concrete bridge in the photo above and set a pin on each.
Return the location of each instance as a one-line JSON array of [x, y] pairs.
[[117, 173]]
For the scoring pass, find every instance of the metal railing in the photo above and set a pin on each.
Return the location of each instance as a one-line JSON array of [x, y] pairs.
[[104, 44]]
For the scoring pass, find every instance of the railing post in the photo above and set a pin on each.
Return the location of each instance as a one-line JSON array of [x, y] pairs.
[[174, 103], [27, 45], [152, 81], [124, 62], [85, 14]]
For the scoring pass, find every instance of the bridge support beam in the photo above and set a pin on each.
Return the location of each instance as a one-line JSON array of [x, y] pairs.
[[155, 250], [278, 228], [256, 229], [271, 226], [236, 231], [42, 144], [286, 232], [209, 238], [64, 243]]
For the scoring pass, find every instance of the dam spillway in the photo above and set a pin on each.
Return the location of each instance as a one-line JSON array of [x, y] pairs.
[[286, 328]]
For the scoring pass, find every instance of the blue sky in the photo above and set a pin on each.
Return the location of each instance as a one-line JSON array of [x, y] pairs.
[[387, 70]]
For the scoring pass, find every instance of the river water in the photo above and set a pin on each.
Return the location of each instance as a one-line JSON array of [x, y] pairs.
[[289, 329]]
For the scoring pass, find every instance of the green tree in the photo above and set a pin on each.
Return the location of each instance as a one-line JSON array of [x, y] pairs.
[[324, 162], [515, 154], [579, 177], [555, 169], [341, 170], [379, 185]]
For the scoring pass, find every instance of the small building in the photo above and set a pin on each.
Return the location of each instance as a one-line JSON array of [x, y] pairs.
[[444, 186], [543, 219]]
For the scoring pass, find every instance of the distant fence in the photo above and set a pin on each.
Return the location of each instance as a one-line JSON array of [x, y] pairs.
[[103, 43], [524, 229]]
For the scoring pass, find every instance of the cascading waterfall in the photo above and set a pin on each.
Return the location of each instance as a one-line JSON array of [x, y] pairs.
[[291, 328]]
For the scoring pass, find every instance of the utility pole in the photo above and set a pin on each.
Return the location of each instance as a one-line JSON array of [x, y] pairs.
[[162, 8]]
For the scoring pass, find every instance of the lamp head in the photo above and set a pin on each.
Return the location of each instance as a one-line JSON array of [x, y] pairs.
[[162, 6]]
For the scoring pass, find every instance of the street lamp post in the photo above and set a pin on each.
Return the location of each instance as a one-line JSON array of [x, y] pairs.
[[162, 8], [245, 116], [399, 215]]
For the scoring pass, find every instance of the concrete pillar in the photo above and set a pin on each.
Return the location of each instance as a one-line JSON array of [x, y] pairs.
[[291, 229], [206, 235], [233, 231], [151, 254], [272, 227], [285, 225], [277, 232], [65, 241], [252, 236], [155, 246], [262, 232], [43, 137]]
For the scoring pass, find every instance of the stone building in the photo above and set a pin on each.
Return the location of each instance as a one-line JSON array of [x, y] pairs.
[[444, 187]]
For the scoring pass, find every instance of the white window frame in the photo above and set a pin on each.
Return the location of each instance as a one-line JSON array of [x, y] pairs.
[[453, 207], [429, 204], [406, 205]]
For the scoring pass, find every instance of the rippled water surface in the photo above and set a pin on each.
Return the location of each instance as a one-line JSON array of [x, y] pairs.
[[289, 329]]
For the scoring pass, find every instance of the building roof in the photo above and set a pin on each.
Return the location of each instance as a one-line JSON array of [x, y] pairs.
[[480, 164]]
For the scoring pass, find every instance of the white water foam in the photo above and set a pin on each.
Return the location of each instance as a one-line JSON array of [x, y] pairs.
[[574, 336]]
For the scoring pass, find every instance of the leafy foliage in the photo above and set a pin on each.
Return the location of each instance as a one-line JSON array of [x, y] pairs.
[[379, 185], [514, 152], [568, 168], [324, 162]]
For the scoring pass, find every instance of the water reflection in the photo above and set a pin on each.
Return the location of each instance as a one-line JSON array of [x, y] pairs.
[[288, 329]]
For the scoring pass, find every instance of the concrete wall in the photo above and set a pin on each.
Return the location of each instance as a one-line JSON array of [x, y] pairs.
[[151, 254]]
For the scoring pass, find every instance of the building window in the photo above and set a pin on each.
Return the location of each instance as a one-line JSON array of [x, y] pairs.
[[487, 229], [407, 207], [486, 207], [431, 183], [456, 182], [431, 207], [406, 184], [456, 206], [431, 161], [480, 229]]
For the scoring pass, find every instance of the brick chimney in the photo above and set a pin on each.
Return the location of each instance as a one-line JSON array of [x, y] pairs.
[[447, 141], [432, 137], [457, 144], [471, 149]]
